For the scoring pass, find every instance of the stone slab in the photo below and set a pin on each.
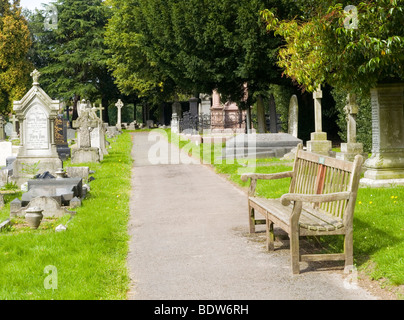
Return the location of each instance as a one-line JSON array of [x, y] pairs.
[[78, 172], [62, 190], [85, 155], [385, 183], [260, 145]]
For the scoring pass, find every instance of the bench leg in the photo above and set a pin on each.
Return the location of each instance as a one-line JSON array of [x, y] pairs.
[[251, 219], [270, 236], [294, 237], [348, 248], [295, 251]]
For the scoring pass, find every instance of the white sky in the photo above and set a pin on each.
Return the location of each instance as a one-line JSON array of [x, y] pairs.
[[32, 4]]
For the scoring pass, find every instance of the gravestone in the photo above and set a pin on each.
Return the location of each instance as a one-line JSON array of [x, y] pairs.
[[119, 105], [85, 153], [319, 143], [2, 131], [387, 159], [177, 108], [8, 129], [14, 134], [60, 132], [193, 106], [149, 124], [175, 124], [101, 110], [6, 151], [78, 172], [217, 112], [293, 116], [98, 135], [36, 113], [71, 134], [206, 104], [350, 149], [273, 117]]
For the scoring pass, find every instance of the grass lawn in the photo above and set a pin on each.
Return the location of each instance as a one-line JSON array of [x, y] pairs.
[[90, 257], [378, 219]]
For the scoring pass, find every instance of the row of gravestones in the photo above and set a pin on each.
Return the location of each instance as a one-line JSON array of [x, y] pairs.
[[44, 146]]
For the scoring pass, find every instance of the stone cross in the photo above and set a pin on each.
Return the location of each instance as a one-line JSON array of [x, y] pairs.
[[119, 105], [14, 120], [101, 109], [351, 110], [35, 77], [317, 96], [85, 125]]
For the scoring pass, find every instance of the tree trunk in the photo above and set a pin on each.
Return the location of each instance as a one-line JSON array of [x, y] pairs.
[[248, 120], [261, 115]]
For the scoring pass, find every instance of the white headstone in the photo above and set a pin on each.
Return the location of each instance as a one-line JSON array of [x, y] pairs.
[[6, 150], [119, 106], [8, 128], [36, 113]]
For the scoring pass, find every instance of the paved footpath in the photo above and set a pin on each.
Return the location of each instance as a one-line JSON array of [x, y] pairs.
[[189, 238]]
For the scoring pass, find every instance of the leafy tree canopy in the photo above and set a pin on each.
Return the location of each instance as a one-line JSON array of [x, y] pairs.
[[14, 45], [348, 47], [194, 45], [72, 55]]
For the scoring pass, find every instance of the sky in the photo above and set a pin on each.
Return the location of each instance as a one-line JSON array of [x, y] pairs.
[[32, 4]]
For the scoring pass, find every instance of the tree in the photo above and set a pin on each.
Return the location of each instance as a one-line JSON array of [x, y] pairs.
[[134, 73], [196, 45], [14, 45], [329, 47], [72, 56]]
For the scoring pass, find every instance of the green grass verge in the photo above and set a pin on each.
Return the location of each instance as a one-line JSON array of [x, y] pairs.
[[90, 257], [378, 219]]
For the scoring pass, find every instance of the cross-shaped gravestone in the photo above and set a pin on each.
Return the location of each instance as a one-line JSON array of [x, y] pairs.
[[85, 125], [351, 110], [14, 121], [317, 96], [35, 77], [319, 143], [119, 105], [101, 109]]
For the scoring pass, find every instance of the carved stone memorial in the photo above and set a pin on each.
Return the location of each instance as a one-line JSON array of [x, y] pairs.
[[36, 113], [387, 160]]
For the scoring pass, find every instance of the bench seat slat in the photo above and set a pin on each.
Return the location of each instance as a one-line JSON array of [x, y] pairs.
[[310, 219]]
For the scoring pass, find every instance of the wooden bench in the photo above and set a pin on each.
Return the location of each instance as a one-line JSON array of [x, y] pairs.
[[321, 201]]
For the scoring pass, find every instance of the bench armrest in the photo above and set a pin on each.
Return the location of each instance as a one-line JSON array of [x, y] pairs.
[[272, 176], [316, 198]]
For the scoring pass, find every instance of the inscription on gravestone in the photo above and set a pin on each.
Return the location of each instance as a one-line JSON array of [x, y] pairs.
[[37, 129], [375, 124]]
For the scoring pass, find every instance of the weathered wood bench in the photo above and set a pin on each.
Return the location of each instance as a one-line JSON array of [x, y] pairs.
[[321, 201]]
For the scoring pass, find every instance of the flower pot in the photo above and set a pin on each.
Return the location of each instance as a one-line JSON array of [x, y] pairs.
[[34, 217]]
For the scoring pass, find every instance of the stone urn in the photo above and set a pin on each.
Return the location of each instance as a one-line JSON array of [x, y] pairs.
[[34, 217]]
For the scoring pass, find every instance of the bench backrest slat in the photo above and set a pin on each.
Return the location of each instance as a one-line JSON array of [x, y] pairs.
[[317, 174]]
